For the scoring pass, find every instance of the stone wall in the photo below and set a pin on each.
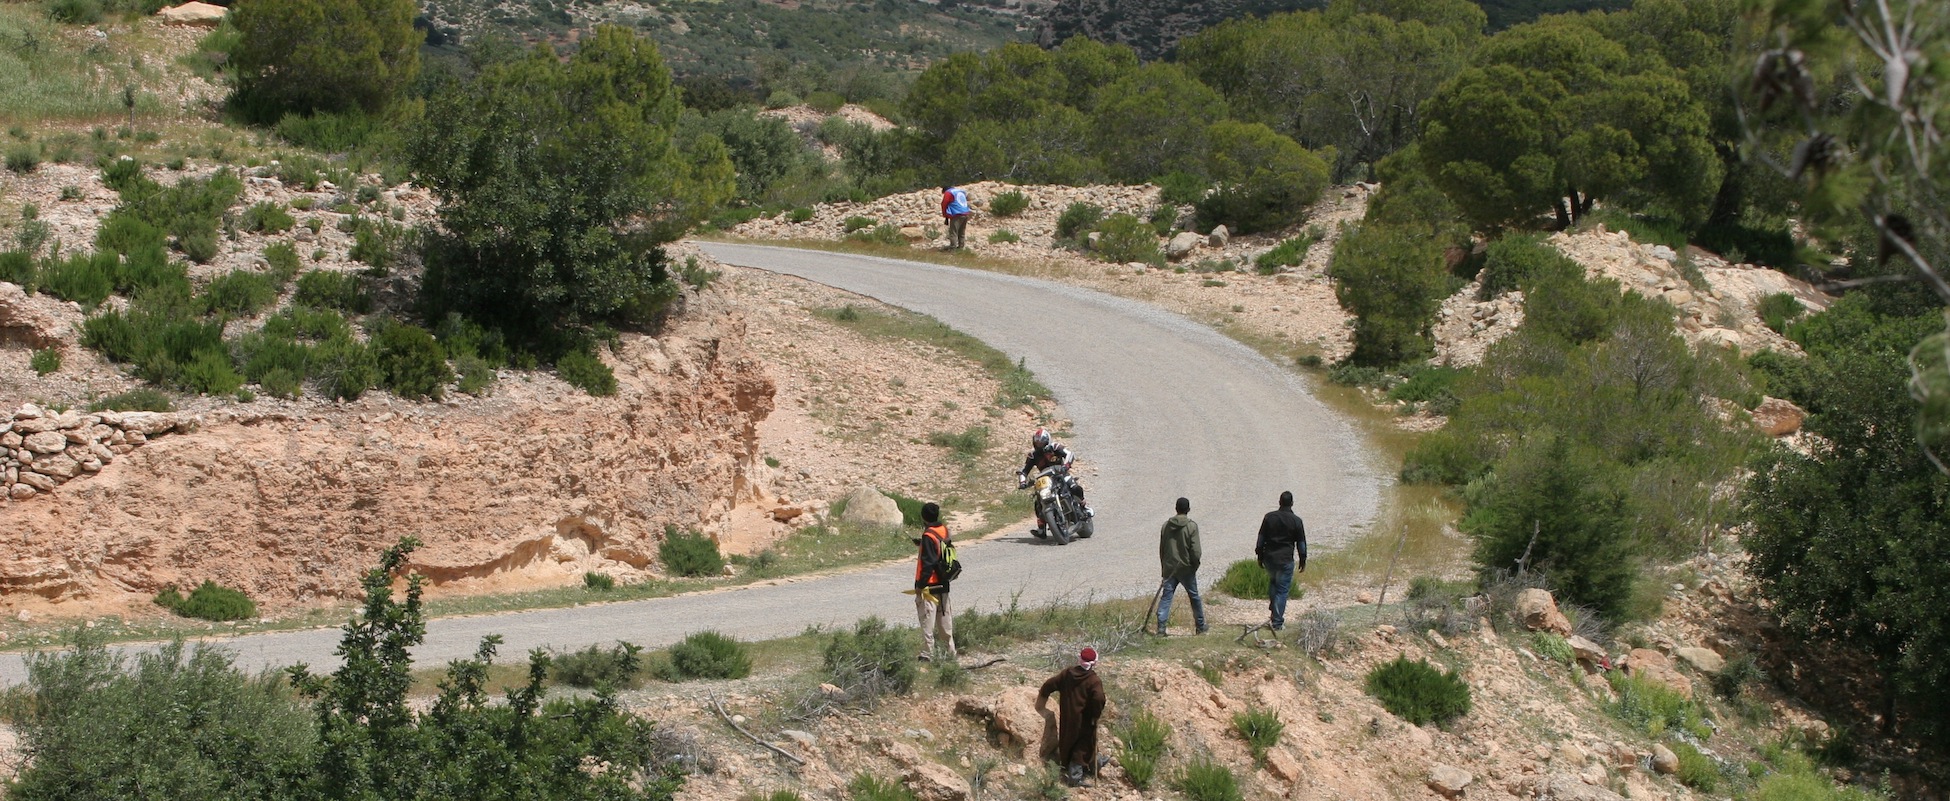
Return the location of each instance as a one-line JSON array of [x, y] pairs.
[[527, 487]]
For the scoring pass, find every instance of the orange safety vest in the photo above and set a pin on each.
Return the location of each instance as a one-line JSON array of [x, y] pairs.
[[938, 533]]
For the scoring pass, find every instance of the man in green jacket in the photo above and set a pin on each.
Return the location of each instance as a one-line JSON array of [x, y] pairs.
[[1178, 555]]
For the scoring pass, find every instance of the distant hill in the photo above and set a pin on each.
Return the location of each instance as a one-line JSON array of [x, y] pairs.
[[1153, 27], [736, 38]]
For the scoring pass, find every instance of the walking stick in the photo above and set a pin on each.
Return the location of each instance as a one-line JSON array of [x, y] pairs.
[[1154, 606]]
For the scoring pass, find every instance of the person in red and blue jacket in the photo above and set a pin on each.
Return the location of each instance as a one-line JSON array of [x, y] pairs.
[[954, 209]]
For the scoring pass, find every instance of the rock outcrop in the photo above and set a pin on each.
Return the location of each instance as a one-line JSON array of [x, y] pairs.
[[530, 486], [1538, 611]]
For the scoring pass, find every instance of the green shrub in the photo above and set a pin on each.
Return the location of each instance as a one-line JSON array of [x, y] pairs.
[[343, 367], [239, 292], [706, 655], [1289, 253], [267, 217], [1078, 219], [1552, 647], [1435, 386], [411, 364], [600, 582], [689, 554], [1163, 218], [618, 668], [178, 721], [871, 660], [1654, 708], [476, 374], [1516, 261], [142, 399], [975, 630], [1696, 770], [210, 372], [1260, 728], [583, 370], [87, 279], [867, 787], [209, 601], [1419, 693], [1124, 238], [883, 234], [1246, 579], [1779, 310], [325, 289], [283, 260], [800, 214], [858, 223], [825, 102], [1143, 738], [1003, 236], [1009, 204], [381, 243], [200, 245], [280, 382], [973, 441], [1735, 676], [75, 12], [71, 193], [1206, 780], [23, 159], [17, 266], [45, 360]]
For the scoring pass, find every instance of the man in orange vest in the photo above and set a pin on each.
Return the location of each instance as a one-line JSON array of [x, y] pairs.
[[931, 584]]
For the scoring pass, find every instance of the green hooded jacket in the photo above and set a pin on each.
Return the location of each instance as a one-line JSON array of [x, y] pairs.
[[1178, 551]]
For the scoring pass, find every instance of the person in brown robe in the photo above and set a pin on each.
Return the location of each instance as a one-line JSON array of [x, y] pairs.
[[1080, 702]]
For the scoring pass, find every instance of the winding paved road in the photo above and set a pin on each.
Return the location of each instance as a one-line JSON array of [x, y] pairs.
[[1162, 407]]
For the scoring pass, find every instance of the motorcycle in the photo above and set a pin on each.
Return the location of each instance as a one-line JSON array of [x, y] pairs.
[[1057, 507]]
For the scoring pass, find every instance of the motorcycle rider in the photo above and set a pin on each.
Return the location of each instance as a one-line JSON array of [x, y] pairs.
[[1046, 453]]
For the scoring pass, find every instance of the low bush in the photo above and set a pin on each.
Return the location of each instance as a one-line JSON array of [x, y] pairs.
[[283, 259], [1435, 386], [706, 655], [971, 442], [17, 266], [617, 668], [1260, 728], [141, 399], [975, 630], [267, 217], [1163, 218], [209, 601], [1246, 579], [1419, 693], [1009, 204], [600, 582], [240, 293], [883, 234], [857, 223], [1552, 647], [87, 279], [1736, 675], [1515, 261], [1124, 238], [583, 370], [868, 787], [1143, 738], [411, 364], [800, 214], [1654, 708], [1003, 236], [1206, 780], [1288, 253], [45, 361], [1078, 219], [343, 367], [326, 289], [380, 244], [23, 159], [1319, 633], [825, 102], [475, 373], [1780, 310], [870, 661], [689, 554], [1696, 770]]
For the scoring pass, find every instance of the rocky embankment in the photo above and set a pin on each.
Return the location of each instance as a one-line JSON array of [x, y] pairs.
[[530, 486]]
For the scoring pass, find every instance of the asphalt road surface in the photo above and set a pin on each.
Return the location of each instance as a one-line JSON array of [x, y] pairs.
[[1162, 407]]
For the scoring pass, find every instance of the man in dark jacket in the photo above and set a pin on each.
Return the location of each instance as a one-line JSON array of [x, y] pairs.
[[1178, 557], [1281, 535], [931, 584], [1080, 702]]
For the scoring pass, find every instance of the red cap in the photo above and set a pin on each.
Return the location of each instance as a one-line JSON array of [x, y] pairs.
[[1088, 657]]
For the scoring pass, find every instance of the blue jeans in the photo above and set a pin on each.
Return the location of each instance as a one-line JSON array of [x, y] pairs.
[[1282, 584], [1191, 591]]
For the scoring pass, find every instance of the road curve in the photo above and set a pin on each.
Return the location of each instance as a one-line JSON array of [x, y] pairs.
[[1162, 407]]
